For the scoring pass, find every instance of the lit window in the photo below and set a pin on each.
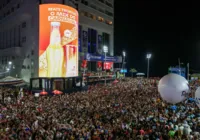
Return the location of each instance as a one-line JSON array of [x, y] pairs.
[[108, 22], [83, 13], [94, 17], [87, 14], [100, 19]]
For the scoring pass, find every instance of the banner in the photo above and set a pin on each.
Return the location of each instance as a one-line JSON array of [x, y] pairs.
[[85, 42], [58, 41], [99, 64], [84, 64], [93, 57], [107, 65]]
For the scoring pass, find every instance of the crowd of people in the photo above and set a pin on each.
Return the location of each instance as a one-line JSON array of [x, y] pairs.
[[131, 109]]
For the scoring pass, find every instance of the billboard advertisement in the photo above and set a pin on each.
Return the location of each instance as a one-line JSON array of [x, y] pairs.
[[58, 41], [94, 57], [177, 70]]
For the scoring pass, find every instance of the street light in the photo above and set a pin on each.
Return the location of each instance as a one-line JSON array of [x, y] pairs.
[[124, 53], [9, 68], [148, 58], [105, 50], [123, 67]]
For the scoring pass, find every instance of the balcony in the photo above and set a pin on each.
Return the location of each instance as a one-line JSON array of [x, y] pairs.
[[12, 51], [105, 3], [94, 10], [100, 4], [95, 24]]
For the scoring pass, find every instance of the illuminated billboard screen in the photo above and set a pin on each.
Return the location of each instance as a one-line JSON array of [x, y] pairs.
[[107, 65], [58, 41]]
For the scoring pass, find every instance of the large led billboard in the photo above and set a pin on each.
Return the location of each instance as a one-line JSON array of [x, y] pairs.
[[58, 41]]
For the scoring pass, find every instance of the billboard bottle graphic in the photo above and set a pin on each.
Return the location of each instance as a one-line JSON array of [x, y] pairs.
[[55, 52]]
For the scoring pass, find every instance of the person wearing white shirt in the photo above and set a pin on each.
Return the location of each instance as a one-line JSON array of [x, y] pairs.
[[180, 130], [187, 130]]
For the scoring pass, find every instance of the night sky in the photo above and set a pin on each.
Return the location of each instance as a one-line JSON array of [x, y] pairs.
[[166, 29]]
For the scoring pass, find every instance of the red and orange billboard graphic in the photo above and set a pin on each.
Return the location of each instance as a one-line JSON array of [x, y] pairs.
[[58, 41]]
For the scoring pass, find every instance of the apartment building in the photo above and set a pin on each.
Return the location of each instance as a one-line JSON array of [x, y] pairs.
[[19, 21]]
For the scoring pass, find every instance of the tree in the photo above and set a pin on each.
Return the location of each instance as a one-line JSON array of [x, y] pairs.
[[133, 70]]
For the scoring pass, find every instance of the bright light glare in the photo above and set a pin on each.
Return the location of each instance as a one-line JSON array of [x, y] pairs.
[[105, 49], [10, 63], [148, 56], [124, 53]]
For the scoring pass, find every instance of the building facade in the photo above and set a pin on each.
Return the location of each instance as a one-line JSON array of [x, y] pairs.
[[19, 33]]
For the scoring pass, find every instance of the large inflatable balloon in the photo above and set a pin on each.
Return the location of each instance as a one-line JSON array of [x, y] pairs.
[[173, 88], [197, 97]]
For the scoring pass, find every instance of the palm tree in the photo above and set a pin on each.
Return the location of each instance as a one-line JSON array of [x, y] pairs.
[[133, 70]]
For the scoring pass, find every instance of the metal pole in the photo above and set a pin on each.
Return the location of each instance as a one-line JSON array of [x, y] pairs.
[[188, 71], [148, 68], [105, 67], [179, 63], [122, 63], [124, 66], [83, 75]]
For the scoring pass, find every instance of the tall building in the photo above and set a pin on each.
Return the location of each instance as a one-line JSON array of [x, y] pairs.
[[19, 33]]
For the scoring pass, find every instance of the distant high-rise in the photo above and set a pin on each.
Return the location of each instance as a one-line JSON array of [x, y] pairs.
[[19, 32]]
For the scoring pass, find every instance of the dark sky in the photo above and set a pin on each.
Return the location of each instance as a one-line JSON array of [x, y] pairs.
[[166, 29]]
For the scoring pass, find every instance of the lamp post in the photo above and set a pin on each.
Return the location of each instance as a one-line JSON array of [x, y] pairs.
[[8, 70], [123, 64], [188, 71], [148, 58], [105, 50], [9, 67]]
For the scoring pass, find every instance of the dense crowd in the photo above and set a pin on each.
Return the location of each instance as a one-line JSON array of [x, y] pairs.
[[129, 110]]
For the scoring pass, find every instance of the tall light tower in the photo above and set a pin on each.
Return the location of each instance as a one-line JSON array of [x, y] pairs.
[[123, 67], [9, 67], [105, 50], [148, 58]]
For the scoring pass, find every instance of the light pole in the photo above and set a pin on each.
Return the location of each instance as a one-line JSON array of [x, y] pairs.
[[105, 50], [8, 70], [148, 58], [9, 67], [123, 67], [188, 71]]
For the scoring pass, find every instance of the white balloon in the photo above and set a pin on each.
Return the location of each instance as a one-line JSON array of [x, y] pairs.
[[197, 97], [173, 88]]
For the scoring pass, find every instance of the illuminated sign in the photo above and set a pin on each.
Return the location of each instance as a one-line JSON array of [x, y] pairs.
[[58, 41], [93, 57], [123, 70], [177, 70], [107, 65]]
